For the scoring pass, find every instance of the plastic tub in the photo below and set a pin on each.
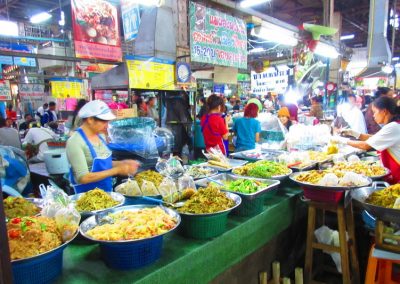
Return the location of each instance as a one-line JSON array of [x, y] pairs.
[[323, 195], [203, 227]]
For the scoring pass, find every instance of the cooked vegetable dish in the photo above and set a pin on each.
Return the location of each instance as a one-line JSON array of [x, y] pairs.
[[149, 175], [207, 200], [362, 167], [262, 169], [95, 199], [19, 207], [30, 236], [133, 225], [197, 172], [331, 178], [385, 197], [245, 185]]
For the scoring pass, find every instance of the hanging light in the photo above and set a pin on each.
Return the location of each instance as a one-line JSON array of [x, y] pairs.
[[40, 17], [275, 34], [388, 69], [8, 28], [251, 3], [326, 50]]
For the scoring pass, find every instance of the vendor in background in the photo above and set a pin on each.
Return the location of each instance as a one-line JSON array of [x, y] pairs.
[[88, 154], [316, 108], [152, 110], [293, 109], [284, 117], [24, 126], [40, 111], [49, 115], [354, 116], [268, 102], [35, 141], [141, 106], [247, 129], [8, 135], [372, 126], [213, 126], [386, 141]]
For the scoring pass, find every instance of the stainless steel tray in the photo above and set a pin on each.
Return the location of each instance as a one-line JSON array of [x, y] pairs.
[[233, 162], [330, 188], [256, 155], [311, 166], [114, 195], [235, 197], [280, 177], [213, 171], [91, 222], [272, 185], [385, 214]]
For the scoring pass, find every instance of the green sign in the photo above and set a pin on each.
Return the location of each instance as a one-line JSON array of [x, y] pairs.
[[243, 77], [217, 38]]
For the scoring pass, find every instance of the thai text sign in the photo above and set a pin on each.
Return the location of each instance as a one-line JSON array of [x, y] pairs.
[[5, 90], [150, 73], [273, 79], [64, 88], [217, 38]]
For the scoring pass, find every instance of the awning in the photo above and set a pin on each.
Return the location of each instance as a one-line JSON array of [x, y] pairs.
[[116, 78]]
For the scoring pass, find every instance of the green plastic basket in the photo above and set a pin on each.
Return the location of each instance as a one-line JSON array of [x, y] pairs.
[[203, 227], [250, 208]]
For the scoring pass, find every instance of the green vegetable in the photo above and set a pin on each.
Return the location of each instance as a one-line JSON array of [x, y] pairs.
[[245, 185], [43, 226], [262, 169]]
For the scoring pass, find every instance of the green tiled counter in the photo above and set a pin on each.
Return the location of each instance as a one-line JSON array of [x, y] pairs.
[[187, 260]]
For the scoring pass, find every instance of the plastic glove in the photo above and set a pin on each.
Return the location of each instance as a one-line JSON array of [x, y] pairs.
[[351, 132], [339, 140]]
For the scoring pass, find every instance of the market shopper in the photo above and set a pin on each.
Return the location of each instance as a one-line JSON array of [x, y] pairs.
[[40, 111], [353, 115], [49, 115], [213, 126], [88, 154], [284, 117], [247, 129], [8, 135], [316, 108], [293, 109], [386, 141], [24, 126]]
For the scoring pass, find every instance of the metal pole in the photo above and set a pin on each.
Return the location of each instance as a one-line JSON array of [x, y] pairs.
[[393, 27]]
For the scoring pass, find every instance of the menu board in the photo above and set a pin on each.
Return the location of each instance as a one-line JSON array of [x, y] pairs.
[[66, 88]]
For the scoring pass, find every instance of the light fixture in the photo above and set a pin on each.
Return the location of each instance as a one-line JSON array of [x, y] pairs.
[[256, 50], [388, 69], [275, 34], [326, 50], [251, 3], [346, 37], [395, 58], [40, 17], [157, 3], [61, 22], [8, 28]]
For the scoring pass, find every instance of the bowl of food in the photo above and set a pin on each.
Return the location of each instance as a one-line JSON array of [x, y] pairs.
[[264, 169], [205, 214], [199, 172], [36, 248], [95, 201], [22, 207], [374, 170], [130, 236]]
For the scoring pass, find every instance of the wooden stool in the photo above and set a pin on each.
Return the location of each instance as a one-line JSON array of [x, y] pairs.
[[379, 270], [345, 219]]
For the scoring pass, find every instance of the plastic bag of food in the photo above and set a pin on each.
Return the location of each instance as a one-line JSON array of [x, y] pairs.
[[170, 168], [129, 188], [217, 158], [67, 219], [329, 179], [149, 189], [185, 182], [167, 187], [350, 179], [353, 159]]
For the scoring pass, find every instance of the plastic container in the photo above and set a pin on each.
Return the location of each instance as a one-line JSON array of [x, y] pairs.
[[56, 161], [134, 200], [250, 208], [328, 196], [124, 256], [203, 227]]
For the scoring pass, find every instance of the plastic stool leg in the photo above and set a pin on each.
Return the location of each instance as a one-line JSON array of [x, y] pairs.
[[371, 268]]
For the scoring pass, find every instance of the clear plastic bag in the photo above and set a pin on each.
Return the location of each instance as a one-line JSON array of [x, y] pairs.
[[325, 235], [149, 189], [216, 154], [329, 179], [167, 187], [350, 179], [186, 182], [170, 168], [353, 159], [129, 188]]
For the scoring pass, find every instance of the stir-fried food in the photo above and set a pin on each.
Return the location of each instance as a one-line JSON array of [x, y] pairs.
[[207, 200], [30, 236], [197, 172], [332, 178], [262, 169], [149, 175], [95, 199], [247, 186], [362, 167], [134, 225], [19, 207], [385, 197]]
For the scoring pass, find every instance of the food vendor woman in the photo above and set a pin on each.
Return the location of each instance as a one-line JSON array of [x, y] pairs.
[[88, 154], [387, 140], [213, 126]]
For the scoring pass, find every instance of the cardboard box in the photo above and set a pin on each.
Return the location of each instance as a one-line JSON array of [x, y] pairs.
[[125, 113]]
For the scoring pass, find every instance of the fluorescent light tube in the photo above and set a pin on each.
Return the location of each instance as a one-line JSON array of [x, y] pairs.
[[41, 17], [8, 28], [346, 37], [276, 34], [326, 50], [251, 3]]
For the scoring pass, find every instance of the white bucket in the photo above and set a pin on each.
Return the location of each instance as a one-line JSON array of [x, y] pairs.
[[56, 161]]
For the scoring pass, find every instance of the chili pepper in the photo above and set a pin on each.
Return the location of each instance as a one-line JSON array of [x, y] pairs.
[[16, 221], [14, 234]]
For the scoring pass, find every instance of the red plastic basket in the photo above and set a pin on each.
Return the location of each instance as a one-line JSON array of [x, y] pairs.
[[328, 196]]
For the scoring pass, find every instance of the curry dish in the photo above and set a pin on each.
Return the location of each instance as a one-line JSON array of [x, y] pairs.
[[19, 207]]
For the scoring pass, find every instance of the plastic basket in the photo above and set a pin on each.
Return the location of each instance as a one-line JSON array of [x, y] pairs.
[[250, 207], [134, 200], [203, 227], [123, 256], [321, 195], [43, 269]]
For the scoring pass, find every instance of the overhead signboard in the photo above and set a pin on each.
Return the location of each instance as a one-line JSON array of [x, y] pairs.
[[63, 88], [130, 19], [273, 79], [5, 90], [95, 25], [8, 60], [25, 61], [150, 73], [217, 38]]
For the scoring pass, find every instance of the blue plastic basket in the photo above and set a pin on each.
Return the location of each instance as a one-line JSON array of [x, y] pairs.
[[40, 270], [123, 256], [134, 200]]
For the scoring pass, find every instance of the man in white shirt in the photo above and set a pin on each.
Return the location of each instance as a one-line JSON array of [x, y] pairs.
[[40, 111], [38, 137], [353, 116]]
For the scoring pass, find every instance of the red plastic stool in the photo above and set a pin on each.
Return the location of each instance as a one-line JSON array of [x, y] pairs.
[[379, 270]]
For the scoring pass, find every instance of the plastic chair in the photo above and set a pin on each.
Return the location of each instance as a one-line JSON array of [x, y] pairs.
[[379, 270]]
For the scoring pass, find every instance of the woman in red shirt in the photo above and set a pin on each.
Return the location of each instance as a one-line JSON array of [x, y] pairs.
[[213, 126]]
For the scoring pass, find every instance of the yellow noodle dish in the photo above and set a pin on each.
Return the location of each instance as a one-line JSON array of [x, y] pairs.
[[95, 199]]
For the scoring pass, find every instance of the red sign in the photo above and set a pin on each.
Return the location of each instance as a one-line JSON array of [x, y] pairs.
[[96, 29]]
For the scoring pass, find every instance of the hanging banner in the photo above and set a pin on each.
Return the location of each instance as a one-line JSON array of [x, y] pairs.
[[63, 88], [5, 90], [130, 19], [150, 73], [273, 79], [96, 29], [217, 38], [25, 61]]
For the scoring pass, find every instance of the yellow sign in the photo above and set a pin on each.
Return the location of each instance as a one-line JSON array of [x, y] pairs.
[[64, 88], [150, 73]]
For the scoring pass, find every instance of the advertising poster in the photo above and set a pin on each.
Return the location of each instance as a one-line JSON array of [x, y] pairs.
[[32, 96], [273, 79], [130, 19], [5, 90], [150, 73], [63, 88], [95, 25], [217, 38]]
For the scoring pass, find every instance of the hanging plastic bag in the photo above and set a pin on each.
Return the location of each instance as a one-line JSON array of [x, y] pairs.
[[149, 189], [167, 189], [170, 168]]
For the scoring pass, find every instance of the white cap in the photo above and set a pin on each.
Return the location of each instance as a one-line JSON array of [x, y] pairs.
[[97, 109]]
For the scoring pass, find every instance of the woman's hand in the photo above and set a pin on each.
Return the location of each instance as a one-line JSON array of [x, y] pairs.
[[127, 167]]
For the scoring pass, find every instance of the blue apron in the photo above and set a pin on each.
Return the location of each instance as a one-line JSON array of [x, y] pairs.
[[225, 142], [98, 165]]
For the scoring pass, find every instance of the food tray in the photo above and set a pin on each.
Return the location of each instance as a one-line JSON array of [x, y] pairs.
[[256, 155], [280, 178], [213, 171], [385, 214], [115, 195], [273, 184], [381, 176], [233, 162], [42, 268], [311, 166]]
